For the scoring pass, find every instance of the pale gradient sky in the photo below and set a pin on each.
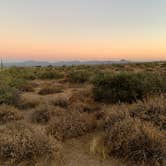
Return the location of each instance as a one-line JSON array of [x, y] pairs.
[[83, 29]]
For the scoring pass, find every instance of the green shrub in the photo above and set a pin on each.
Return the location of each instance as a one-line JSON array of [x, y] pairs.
[[27, 73], [127, 87], [79, 76], [49, 73], [8, 95]]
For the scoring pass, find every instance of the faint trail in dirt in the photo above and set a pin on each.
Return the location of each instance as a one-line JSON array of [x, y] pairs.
[[76, 153]]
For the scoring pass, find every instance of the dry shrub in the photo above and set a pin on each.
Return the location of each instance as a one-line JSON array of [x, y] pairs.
[[20, 142], [153, 110], [42, 114], [45, 113], [9, 113], [50, 90], [71, 124], [136, 142], [116, 114], [60, 101], [81, 101]]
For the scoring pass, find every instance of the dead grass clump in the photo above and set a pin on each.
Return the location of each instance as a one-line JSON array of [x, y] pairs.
[[28, 102], [50, 90], [9, 113], [82, 102], [61, 102], [137, 142], [152, 110], [71, 124], [116, 114], [42, 114], [20, 142]]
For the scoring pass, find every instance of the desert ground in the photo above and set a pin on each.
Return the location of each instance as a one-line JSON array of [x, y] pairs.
[[101, 115]]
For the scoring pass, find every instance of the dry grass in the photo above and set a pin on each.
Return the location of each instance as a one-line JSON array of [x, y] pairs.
[[153, 110], [29, 101], [50, 90], [136, 142], [42, 114], [82, 101], [71, 124], [9, 113], [29, 87], [20, 142], [60, 102], [130, 137]]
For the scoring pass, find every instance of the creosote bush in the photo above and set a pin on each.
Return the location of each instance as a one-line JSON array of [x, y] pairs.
[[20, 142], [127, 87], [48, 73], [9, 95], [78, 76]]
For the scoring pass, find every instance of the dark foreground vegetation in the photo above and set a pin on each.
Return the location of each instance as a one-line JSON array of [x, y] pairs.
[[123, 106]]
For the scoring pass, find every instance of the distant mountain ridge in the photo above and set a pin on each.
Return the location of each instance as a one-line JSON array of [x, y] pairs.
[[62, 63]]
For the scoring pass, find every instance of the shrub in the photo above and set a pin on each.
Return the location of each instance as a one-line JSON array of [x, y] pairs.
[[27, 73], [71, 124], [127, 87], [8, 95], [20, 142], [78, 76], [83, 102], [152, 110], [49, 73], [42, 114], [61, 102], [138, 143], [8, 114], [10, 88]]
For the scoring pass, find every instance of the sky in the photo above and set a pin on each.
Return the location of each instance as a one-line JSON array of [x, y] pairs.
[[82, 30]]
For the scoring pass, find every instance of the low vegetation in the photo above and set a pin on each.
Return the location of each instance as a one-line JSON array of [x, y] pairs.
[[44, 109], [20, 142], [127, 87], [71, 124], [9, 113], [42, 114], [78, 76], [136, 142], [50, 90]]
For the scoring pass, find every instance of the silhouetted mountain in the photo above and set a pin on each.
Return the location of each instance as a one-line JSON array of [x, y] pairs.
[[62, 63]]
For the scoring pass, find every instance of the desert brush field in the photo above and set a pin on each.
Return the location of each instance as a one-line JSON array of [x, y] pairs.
[[99, 115]]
